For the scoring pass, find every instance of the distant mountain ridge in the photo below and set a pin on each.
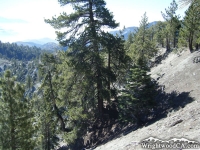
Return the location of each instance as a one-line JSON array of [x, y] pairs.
[[30, 44], [45, 44], [42, 41], [129, 30], [125, 32], [52, 45]]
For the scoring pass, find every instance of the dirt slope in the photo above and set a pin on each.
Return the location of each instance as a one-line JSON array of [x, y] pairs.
[[176, 73]]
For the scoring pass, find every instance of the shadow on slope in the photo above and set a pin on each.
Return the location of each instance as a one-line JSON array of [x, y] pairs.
[[167, 102], [160, 58], [106, 130]]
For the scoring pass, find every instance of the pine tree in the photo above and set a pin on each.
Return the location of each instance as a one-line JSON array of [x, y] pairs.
[[173, 24], [138, 95], [160, 33], [17, 119], [46, 104], [50, 86], [152, 33], [129, 41], [63, 107], [143, 48], [115, 63], [190, 31], [63, 113], [84, 36], [48, 125]]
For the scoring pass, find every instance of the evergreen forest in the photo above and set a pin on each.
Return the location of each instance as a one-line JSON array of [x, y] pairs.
[[100, 80]]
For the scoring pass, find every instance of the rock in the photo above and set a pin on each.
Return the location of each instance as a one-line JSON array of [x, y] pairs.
[[176, 122]]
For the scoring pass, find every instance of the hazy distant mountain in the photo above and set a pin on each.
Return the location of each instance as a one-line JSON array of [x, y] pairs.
[[153, 23], [51, 46], [30, 44], [128, 30], [42, 41], [45, 44]]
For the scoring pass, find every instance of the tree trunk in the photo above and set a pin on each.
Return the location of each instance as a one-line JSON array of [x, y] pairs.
[[167, 43], [162, 44], [197, 46], [174, 41], [190, 44], [109, 69], [97, 61], [99, 96], [60, 118]]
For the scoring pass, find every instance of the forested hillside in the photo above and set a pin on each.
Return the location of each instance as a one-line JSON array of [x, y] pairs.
[[13, 51], [101, 85]]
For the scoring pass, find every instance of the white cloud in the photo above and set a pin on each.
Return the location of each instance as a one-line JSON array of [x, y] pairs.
[[127, 12], [33, 12]]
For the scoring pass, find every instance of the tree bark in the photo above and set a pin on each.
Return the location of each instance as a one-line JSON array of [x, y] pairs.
[[109, 69], [162, 44], [62, 123], [190, 44], [197, 46], [167, 43], [174, 41], [97, 60]]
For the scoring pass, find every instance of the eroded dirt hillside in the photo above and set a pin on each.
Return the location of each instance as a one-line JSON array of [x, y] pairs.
[[177, 73]]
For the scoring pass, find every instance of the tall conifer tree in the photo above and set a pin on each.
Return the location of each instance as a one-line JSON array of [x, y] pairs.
[[17, 119], [143, 48], [173, 24], [83, 35], [160, 32], [190, 31], [137, 96]]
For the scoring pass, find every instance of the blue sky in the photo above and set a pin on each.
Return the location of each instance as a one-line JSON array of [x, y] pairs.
[[24, 19]]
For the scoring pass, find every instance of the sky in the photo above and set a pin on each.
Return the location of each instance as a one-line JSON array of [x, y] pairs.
[[22, 20]]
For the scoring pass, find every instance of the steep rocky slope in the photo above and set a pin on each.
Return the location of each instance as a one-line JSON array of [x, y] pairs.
[[177, 74]]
